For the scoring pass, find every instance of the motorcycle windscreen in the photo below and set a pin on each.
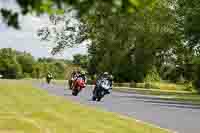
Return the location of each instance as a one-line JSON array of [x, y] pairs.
[[105, 84], [80, 82]]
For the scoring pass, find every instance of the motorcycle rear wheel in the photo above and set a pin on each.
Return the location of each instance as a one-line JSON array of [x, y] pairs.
[[99, 95]]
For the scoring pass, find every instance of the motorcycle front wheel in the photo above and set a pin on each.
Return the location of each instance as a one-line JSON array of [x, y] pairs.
[[75, 92], [100, 95], [99, 99], [94, 98]]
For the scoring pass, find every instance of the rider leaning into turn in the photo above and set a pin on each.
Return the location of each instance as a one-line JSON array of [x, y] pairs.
[[83, 76], [77, 75], [71, 80], [105, 75], [108, 76], [49, 75]]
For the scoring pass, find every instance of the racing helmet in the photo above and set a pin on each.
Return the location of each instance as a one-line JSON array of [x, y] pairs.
[[105, 73]]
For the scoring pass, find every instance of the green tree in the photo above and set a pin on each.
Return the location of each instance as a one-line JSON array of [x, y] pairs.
[[58, 67], [37, 70], [26, 61], [189, 26], [59, 70], [152, 75], [81, 60], [54, 6], [9, 66], [129, 45]]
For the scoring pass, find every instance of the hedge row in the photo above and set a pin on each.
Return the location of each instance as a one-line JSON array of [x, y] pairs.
[[156, 85]]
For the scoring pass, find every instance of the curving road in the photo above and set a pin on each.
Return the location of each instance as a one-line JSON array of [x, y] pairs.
[[177, 117]]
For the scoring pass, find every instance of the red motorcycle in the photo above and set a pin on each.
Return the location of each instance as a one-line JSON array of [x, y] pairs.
[[79, 84]]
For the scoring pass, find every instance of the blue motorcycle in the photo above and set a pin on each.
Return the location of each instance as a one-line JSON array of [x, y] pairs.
[[102, 88]]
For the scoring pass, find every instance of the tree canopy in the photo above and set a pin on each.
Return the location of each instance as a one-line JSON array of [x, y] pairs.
[[135, 40], [128, 45], [57, 6], [15, 64]]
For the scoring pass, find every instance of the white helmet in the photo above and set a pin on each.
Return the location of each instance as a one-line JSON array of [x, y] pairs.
[[105, 73]]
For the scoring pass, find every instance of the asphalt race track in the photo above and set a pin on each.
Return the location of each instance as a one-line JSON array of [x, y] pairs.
[[177, 117]]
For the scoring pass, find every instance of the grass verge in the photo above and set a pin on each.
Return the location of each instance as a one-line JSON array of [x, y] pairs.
[[26, 109]]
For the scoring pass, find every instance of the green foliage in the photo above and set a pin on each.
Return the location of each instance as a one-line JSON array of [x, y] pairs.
[[9, 67], [56, 67], [162, 86], [10, 18], [197, 77], [127, 45], [128, 38], [15, 64], [188, 49], [121, 84], [189, 17], [59, 70], [147, 85], [26, 61], [152, 75], [81, 60], [133, 84], [57, 6], [189, 87], [140, 85]]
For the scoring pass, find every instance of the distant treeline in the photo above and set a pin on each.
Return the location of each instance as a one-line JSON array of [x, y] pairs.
[[15, 65]]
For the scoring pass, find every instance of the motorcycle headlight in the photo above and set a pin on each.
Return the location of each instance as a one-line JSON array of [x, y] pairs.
[[105, 86]]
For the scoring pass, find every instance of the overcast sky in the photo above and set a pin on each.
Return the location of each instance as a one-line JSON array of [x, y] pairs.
[[25, 39]]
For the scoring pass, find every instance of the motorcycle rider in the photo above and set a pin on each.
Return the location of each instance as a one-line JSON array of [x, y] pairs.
[[71, 80], [105, 75], [82, 75], [49, 76], [77, 75], [102, 76]]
